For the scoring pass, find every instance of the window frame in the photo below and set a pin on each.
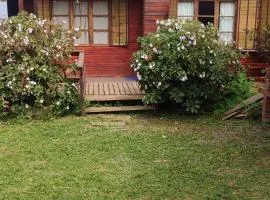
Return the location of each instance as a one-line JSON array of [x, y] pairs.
[[216, 13], [91, 29]]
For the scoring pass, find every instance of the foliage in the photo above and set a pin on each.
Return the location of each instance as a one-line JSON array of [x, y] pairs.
[[263, 42], [240, 89], [184, 62], [34, 54]]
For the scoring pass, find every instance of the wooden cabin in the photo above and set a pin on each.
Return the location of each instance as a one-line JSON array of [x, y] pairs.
[[110, 28]]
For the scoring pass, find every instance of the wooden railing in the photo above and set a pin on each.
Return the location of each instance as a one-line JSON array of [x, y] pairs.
[[78, 75], [266, 100]]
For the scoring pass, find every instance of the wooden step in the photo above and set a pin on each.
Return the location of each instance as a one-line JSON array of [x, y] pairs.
[[113, 97], [118, 109], [256, 65]]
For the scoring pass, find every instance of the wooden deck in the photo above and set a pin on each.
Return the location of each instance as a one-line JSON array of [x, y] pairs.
[[111, 89]]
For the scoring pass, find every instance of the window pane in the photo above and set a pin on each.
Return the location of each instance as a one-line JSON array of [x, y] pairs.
[[81, 22], [60, 7], [100, 7], [186, 9], [3, 9], [80, 8], [101, 38], [226, 24], [227, 9], [101, 23], [84, 38], [206, 20], [226, 37], [206, 8], [62, 20]]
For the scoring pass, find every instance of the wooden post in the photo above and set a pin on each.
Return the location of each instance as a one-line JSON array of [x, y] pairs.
[[21, 5], [266, 100]]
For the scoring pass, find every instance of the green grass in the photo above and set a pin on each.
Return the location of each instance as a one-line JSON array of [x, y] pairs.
[[140, 156]]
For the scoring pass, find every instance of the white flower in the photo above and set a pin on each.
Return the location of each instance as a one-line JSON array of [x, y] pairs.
[[162, 22], [27, 86], [157, 22], [178, 49], [32, 82], [27, 106], [155, 50], [41, 101], [139, 76], [202, 75], [203, 36], [74, 85], [183, 47], [157, 35], [30, 30], [159, 84], [74, 38], [152, 65], [58, 46], [76, 29], [68, 92], [64, 21], [151, 45], [58, 103], [184, 79], [211, 51], [19, 27], [67, 107], [211, 62], [139, 64]]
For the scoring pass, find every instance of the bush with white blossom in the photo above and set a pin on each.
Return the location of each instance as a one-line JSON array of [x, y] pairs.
[[185, 62], [34, 53]]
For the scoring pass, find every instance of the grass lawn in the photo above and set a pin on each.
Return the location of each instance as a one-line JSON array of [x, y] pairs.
[[141, 156]]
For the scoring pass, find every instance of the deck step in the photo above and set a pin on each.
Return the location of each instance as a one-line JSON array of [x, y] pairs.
[[118, 109], [113, 97]]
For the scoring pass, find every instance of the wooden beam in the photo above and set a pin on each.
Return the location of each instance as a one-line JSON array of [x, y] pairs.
[[21, 5]]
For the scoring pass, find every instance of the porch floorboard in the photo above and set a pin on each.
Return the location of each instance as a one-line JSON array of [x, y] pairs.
[[111, 89]]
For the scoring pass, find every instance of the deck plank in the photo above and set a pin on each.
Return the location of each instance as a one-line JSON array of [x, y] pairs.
[[136, 87], [126, 88], [131, 88], [90, 88], [106, 88], [95, 88], [118, 109], [121, 88], [100, 88], [116, 88], [111, 90]]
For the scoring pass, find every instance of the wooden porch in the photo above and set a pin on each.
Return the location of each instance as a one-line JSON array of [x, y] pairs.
[[112, 89]]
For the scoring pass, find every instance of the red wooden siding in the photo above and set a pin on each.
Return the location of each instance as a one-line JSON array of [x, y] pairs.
[[154, 10], [114, 61]]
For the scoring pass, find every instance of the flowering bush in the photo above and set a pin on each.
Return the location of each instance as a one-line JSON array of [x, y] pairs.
[[34, 53], [185, 63]]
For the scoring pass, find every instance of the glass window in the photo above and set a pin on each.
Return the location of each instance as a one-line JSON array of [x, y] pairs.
[[226, 20], [185, 10], [80, 12], [206, 12], [100, 22], [3, 9]]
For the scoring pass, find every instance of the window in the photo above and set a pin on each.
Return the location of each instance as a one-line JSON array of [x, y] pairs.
[[206, 13], [99, 20], [185, 10], [221, 13], [3, 9], [226, 20]]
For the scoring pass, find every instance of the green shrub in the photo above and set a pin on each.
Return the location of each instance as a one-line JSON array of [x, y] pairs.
[[185, 63], [34, 53]]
